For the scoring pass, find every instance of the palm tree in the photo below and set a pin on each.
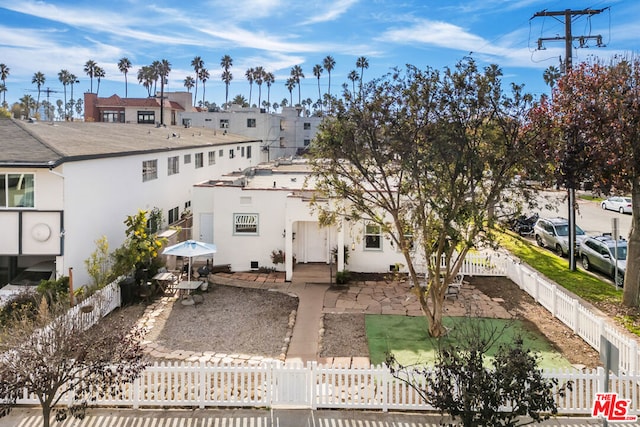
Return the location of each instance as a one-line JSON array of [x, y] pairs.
[[145, 77], [27, 103], [258, 77], [329, 64], [204, 76], [189, 83], [64, 78], [3, 90], [551, 76], [353, 76], [155, 75], [249, 75], [296, 75], [73, 80], [226, 62], [4, 73], [163, 68], [284, 102], [99, 73], [317, 71], [90, 70], [38, 79], [290, 84], [240, 100], [275, 106], [362, 63], [124, 65], [197, 63], [269, 79]]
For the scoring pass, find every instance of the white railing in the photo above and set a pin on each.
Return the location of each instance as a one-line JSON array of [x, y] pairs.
[[201, 385], [568, 309]]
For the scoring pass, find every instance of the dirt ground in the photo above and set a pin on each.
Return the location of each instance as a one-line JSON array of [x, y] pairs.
[[237, 320]]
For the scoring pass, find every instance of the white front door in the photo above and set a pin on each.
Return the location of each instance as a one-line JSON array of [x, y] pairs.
[[315, 242], [206, 228]]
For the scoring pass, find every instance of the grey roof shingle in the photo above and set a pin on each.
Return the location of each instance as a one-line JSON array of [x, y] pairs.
[[45, 143]]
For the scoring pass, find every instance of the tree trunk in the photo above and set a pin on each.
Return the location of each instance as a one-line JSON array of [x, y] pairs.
[[632, 275], [434, 313], [46, 414]]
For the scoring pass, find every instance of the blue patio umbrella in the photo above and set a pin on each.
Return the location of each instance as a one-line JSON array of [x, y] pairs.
[[190, 249]]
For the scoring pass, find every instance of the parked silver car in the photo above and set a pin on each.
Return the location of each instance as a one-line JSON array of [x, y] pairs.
[[604, 253], [620, 204], [553, 233]]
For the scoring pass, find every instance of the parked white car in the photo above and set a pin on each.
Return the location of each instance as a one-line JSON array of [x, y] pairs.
[[620, 204]]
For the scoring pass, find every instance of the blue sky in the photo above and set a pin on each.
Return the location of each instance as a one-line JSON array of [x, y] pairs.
[[48, 36]]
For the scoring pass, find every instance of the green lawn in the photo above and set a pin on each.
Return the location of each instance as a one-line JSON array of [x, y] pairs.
[[407, 339]]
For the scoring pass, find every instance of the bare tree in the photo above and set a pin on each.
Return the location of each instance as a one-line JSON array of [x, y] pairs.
[[52, 355]]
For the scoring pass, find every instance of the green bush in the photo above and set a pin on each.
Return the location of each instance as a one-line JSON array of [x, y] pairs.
[[54, 290], [342, 277]]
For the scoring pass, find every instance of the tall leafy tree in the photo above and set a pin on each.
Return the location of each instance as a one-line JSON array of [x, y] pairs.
[[197, 63], [65, 78], [269, 79], [424, 157], [124, 65], [99, 75], [329, 64], [189, 83], [73, 79], [362, 63], [317, 72], [162, 69], [203, 76], [592, 131], [226, 62], [90, 70], [551, 76], [296, 76], [38, 79], [250, 75], [258, 77], [146, 76], [4, 73], [27, 104], [353, 76], [290, 84]]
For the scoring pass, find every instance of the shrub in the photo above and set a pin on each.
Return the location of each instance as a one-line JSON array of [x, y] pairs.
[[342, 277]]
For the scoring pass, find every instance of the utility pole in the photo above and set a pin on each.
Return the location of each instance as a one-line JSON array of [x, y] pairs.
[[569, 39]]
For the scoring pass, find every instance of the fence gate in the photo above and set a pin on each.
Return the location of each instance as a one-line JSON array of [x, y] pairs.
[[291, 385]]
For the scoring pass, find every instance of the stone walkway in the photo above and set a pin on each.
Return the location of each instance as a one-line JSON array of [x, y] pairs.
[[370, 297]]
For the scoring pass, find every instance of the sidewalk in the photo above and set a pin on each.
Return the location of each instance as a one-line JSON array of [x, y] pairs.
[[250, 418]]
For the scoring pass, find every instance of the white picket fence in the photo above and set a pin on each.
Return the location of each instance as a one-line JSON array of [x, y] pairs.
[[313, 386], [568, 309]]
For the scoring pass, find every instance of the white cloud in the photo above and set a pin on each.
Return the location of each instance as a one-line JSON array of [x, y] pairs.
[[333, 11]]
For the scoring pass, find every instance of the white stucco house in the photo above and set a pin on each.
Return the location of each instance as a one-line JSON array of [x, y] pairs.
[[64, 185], [267, 208], [283, 134]]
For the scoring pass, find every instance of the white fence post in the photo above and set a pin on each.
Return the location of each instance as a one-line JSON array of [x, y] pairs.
[[575, 315], [136, 392]]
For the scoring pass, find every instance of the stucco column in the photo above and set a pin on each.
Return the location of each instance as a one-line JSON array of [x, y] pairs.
[[341, 228], [288, 249]]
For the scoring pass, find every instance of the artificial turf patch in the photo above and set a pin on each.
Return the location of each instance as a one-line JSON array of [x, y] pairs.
[[407, 338]]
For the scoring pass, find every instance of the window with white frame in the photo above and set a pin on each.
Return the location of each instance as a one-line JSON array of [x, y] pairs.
[[372, 236], [149, 170], [306, 125], [248, 152], [199, 160], [231, 153], [245, 224], [187, 159], [212, 158], [251, 123], [224, 123], [221, 153], [17, 190], [173, 165]]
